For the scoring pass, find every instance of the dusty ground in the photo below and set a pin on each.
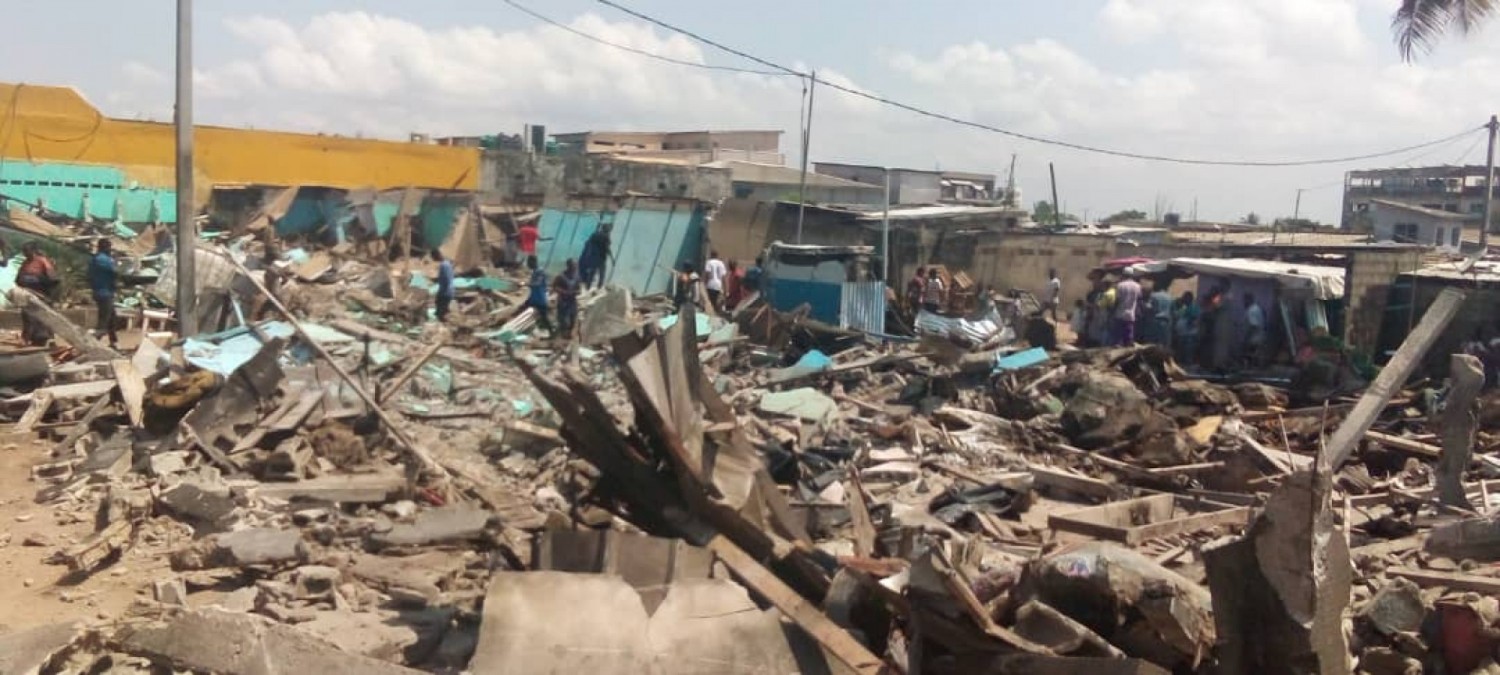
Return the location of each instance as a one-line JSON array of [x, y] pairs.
[[34, 593]]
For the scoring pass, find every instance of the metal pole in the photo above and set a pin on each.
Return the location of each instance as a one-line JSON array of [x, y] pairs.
[[1489, 188], [885, 231], [1297, 209], [187, 233], [812, 88], [1056, 208]]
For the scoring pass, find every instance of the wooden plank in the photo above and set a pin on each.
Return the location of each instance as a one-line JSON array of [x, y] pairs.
[[1454, 581], [99, 546], [1076, 483], [40, 404], [1395, 373], [411, 371], [147, 356], [65, 447], [859, 517], [1122, 521], [1195, 523], [1395, 442], [293, 418], [132, 389], [839, 643], [89, 349]]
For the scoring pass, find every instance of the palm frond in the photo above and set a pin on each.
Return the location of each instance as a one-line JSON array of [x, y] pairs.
[[1419, 23]]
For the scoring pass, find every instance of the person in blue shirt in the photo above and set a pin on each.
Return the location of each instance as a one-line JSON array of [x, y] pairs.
[[101, 275], [753, 276], [596, 257], [537, 298], [444, 285]]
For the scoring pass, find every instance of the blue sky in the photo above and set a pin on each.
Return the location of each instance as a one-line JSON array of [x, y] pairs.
[[1222, 79]]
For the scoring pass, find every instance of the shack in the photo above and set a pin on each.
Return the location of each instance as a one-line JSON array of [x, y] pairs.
[[1300, 301], [839, 284]]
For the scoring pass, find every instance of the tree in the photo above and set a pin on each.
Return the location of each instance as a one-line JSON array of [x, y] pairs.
[[1128, 214], [1252, 218], [1419, 23], [1044, 214], [1297, 224]]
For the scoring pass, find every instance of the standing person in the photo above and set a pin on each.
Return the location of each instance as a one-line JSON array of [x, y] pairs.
[[1185, 315], [596, 257], [444, 285], [38, 275], [714, 272], [734, 286], [1255, 331], [754, 276], [271, 279], [101, 275], [1101, 314], [914, 288], [1159, 313], [933, 293], [536, 299], [1054, 293], [566, 286], [1127, 301], [1079, 322], [527, 235], [685, 286]]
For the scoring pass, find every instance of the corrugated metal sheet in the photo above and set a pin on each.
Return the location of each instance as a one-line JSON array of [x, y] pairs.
[[650, 240], [863, 306]]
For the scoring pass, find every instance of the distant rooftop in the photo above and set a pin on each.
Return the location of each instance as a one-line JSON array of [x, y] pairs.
[[1422, 210]]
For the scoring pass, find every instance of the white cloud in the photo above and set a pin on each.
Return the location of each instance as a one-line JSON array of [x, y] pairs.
[[1202, 78]]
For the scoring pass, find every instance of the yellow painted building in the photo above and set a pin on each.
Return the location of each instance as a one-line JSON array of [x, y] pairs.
[[53, 132]]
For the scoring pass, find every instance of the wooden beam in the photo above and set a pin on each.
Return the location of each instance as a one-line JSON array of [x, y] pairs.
[[411, 372], [40, 404], [132, 389], [1455, 581], [830, 635], [81, 428], [1394, 442], [88, 348], [1395, 373], [859, 517]]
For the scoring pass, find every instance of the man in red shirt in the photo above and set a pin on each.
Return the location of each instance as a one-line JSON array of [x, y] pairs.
[[527, 238]]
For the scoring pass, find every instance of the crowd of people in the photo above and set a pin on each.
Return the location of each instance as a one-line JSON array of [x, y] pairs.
[[1125, 313], [721, 285], [38, 274]]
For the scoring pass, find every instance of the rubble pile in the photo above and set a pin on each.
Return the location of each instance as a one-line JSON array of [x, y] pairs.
[[347, 486]]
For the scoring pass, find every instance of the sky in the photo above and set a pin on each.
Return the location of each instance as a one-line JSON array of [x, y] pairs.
[[1262, 80]]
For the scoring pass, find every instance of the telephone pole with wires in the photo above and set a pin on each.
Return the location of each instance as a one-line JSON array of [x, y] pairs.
[[812, 88], [1489, 187], [187, 233]]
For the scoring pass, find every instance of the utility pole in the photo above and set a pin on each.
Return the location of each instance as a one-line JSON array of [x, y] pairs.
[[1056, 208], [885, 231], [1297, 208], [1489, 187], [1010, 183], [187, 233], [812, 88]]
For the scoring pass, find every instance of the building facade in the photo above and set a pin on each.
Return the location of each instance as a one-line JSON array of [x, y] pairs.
[[64, 153], [908, 186], [685, 147], [1455, 189], [1404, 223]]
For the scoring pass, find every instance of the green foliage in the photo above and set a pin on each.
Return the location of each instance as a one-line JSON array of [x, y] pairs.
[[1128, 214]]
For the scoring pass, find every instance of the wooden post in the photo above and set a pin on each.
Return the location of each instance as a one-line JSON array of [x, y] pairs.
[[1392, 376], [410, 372], [1466, 378], [427, 462]]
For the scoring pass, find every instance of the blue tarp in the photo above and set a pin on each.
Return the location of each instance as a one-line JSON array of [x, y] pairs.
[[1021, 359], [225, 352]]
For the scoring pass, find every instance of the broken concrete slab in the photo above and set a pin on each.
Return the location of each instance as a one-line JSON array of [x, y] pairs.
[[436, 526], [254, 546], [806, 403], [423, 574], [532, 624], [369, 634], [364, 488], [27, 651], [1397, 607], [204, 503], [233, 643], [1472, 538], [1044, 625]]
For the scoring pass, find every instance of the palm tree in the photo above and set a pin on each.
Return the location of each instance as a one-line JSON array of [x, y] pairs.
[[1419, 23]]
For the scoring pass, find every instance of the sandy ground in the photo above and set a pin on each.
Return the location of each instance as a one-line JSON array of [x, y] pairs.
[[33, 592]]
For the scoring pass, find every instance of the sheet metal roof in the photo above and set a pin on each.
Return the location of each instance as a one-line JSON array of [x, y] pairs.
[[1326, 283]]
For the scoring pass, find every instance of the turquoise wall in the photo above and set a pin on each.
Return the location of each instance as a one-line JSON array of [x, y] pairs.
[[649, 239], [63, 188]]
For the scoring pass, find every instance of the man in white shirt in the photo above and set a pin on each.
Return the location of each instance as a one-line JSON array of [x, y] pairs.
[[714, 273], [1054, 293], [1127, 299]]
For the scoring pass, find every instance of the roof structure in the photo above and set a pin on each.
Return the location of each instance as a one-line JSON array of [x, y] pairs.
[[1326, 283], [776, 174]]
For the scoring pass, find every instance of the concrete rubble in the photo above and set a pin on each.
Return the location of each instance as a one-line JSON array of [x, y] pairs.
[[349, 487]]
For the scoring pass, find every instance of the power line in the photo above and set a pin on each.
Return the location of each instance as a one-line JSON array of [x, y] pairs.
[[1024, 136], [594, 38]]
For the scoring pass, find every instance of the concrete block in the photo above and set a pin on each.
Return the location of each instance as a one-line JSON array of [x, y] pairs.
[[203, 503], [170, 592], [436, 526], [363, 633], [215, 640], [1396, 608], [28, 650]]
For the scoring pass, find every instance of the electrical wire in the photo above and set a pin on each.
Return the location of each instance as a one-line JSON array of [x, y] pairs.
[[594, 38], [1024, 136]]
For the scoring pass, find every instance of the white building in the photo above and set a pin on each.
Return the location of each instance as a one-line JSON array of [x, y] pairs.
[[1411, 224]]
